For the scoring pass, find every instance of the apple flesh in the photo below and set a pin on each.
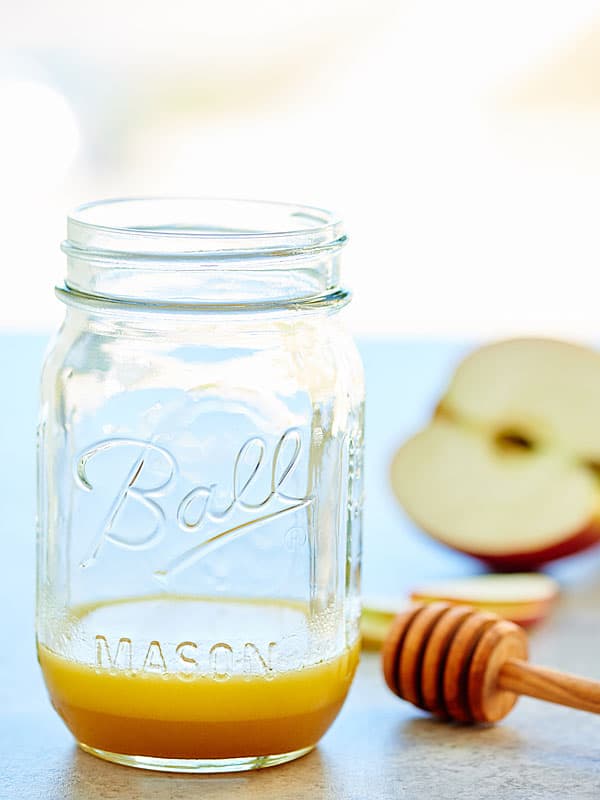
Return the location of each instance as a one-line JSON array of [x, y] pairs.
[[525, 598], [378, 613], [546, 390], [507, 471]]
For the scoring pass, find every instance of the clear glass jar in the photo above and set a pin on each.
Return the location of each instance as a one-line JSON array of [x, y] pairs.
[[200, 484]]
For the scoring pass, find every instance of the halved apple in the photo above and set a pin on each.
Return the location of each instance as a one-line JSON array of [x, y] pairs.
[[508, 469], [545, 391], [525, 598]]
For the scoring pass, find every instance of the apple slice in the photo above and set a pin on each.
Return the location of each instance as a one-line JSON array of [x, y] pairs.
[[508, 469], [525, 598], [378, 613]]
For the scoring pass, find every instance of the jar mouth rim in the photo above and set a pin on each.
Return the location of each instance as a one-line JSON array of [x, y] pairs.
[[202, 251], [198, 228]]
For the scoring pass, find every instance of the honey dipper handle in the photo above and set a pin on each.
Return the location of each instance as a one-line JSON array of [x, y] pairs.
[[550, 684]]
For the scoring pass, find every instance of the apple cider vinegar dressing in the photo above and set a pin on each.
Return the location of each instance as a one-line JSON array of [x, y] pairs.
[[200, 484], [187, 695]]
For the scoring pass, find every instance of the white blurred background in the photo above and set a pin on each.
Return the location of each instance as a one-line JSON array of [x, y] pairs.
[[460, 141]]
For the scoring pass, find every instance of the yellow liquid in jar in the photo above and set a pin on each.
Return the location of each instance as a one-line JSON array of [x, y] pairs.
[[159, 700]]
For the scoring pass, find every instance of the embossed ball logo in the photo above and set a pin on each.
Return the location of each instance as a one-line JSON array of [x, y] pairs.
[[148, 473]]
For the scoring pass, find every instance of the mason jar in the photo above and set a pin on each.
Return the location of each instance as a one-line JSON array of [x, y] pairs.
[[200, 454]]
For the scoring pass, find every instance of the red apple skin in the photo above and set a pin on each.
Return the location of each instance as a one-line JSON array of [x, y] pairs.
[[532, 622], [534, 559], [506, 562]]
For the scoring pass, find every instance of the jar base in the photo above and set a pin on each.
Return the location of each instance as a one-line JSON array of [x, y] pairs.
[[198, 766]]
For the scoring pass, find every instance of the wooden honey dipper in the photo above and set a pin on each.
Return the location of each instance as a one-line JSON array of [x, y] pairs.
[[471, 666]]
